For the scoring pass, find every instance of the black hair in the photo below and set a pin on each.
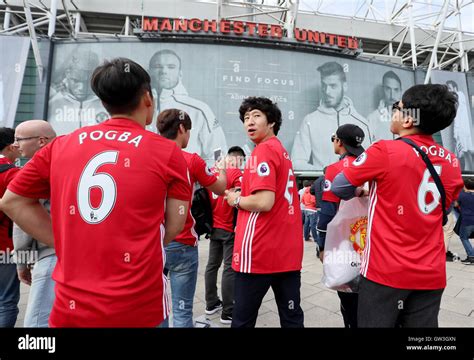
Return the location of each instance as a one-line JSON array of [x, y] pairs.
[[306, 183], [391, 75], [169, 120], [163, 52], [120, 83], [265, 105], [236, 149], [332, 68], [469, 183], [7, 137], [434, 104]]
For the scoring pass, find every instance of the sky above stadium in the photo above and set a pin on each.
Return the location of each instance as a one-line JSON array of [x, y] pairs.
[[382, 10]]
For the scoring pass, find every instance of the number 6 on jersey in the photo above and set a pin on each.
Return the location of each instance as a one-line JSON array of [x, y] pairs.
[[105, 182]]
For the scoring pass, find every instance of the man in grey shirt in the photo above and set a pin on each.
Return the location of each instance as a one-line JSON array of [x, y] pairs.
[[31, 136]]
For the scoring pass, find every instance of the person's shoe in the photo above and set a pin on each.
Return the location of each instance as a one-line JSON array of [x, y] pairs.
[[468, 260], [213, 309], [449, 256], [226, 320]]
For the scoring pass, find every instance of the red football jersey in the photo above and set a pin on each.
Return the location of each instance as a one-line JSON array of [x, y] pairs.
[[405, 244], [272, 241], [222, 213], [5, 223], [198, 172], [331, 172], [108, 186]]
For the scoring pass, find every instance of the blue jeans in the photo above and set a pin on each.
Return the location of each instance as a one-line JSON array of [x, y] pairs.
[[9, 295], [310, 221], [182, 266], [464, 233], [41, 298]]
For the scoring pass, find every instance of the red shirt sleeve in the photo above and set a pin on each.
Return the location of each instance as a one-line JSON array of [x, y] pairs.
[[33, 180], [201, 172], [372, 164], [264, 175], [331, 172], [10, 175], [235, 178], [179, 186]]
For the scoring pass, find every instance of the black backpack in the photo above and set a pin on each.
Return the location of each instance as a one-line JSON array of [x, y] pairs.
[[201, 210]]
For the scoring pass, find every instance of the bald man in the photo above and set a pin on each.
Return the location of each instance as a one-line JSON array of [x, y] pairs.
[[32, 135], [35, 267]]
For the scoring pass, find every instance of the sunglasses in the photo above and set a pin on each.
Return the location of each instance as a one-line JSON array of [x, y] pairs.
[[333, 138]]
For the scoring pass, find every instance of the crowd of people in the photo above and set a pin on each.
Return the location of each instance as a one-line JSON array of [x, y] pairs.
[[103, 231]]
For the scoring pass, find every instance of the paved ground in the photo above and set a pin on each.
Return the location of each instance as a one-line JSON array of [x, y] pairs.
[[321, 305]]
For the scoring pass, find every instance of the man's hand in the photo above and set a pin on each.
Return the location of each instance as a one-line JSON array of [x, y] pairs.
[[360, 192], [24, 275], [230, 196]]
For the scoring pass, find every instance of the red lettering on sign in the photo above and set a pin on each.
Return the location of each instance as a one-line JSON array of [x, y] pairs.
[[353, 43], [341, 41], [166, 25], [300, 35], [150, 24], [251, 27], [313, 36], [239, 28], [332, 39], [276, 31], [262, 30], [210, 25], [181, 25], [194, 25], [225, 26]]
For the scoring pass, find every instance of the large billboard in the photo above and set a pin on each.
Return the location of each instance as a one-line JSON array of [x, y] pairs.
[[459, 136], [14, 50], [315, 92]]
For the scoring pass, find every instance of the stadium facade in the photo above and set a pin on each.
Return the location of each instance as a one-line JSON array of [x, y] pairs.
[[206, 56]]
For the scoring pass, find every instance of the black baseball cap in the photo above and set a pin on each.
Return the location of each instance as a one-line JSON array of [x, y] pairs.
[[352, 137]]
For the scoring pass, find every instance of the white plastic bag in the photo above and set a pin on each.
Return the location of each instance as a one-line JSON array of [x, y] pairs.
[[345, 241]]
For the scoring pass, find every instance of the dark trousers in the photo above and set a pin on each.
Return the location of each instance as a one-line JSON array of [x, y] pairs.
[[384, 306], [250, 290], [349, 303], [221, 247]]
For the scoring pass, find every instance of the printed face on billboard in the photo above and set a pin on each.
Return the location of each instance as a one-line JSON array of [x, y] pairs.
[[315, 93], [165, 70]]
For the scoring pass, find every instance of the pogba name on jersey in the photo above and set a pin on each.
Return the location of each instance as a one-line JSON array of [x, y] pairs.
[[438, 151], [112, 135]]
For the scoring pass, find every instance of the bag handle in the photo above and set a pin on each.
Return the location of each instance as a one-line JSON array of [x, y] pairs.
[[434, 175]]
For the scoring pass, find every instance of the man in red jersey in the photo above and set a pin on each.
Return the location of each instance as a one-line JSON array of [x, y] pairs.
[[182, 253], [268, 250], [221, 244], [9, 283], [403, 265], [347, 143], [117, 193]]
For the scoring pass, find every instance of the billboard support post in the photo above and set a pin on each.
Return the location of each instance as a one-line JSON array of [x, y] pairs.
[[434, 53]]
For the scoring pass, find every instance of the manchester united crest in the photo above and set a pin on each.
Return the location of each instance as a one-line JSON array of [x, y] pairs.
[[358, 234]]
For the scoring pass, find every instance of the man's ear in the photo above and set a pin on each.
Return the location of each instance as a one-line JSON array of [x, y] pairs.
[[408, 122], [344, 87], [147, 99]]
